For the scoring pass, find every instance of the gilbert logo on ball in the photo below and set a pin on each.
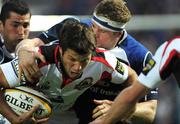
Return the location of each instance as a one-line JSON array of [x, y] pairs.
[[22, 99]]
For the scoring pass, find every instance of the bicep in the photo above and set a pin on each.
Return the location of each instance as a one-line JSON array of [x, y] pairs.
[[132, 76]]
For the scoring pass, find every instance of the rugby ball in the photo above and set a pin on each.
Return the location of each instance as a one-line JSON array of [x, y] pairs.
[[22, 99]]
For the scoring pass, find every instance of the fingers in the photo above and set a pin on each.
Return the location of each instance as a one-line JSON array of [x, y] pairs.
[[102, 108], [37, 121], [100, 111], [32, 74], [99, 108], [27, 115], [98, 102], [40, 56], [43, 120], [20, 73], [28, 66], [34, 109]]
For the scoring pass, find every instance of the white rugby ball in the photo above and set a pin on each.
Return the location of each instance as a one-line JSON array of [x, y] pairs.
[[22, 99]]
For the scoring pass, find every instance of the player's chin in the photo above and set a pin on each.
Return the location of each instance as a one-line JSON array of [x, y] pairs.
[[74, 75]]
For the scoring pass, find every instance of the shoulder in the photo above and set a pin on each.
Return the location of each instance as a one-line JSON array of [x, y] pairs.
[[129, 43], [50, 52], [52, 33], [104, 57]]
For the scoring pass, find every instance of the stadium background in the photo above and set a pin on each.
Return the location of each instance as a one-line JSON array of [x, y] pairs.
[[153, 22]]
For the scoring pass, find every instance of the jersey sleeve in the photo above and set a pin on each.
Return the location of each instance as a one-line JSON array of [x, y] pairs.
[[150, 76], [137, 54], [11, 71], [120, 70], [120, 73]]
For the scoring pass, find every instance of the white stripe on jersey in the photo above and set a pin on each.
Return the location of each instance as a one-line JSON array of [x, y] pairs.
[[10, 72]]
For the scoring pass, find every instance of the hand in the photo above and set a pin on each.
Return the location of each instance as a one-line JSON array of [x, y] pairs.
[[97, 121], [28, 117], [28, 65], [102, 108]]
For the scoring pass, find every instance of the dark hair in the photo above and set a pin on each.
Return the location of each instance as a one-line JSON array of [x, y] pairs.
[[17, 6], [77, 36]]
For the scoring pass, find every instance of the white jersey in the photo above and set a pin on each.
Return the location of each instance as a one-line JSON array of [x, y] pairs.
[[55, 84], [165, 62]]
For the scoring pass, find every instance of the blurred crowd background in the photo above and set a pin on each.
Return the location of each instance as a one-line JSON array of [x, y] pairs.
[[168, 111]]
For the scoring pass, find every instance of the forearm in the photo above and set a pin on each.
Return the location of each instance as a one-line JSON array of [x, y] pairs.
[[120, 107], [145, 112], [123, 106], [6, 111]]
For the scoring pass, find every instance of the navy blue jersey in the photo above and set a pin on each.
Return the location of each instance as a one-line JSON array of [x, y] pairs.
[[137, 56], [5, 56]]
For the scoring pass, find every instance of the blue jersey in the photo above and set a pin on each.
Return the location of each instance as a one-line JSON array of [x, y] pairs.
[[136, 53], [5, 56], [137, 56]]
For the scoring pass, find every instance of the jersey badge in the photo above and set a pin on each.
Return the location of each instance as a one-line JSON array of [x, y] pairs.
[[87, 82], [148, 66], [120, 68]]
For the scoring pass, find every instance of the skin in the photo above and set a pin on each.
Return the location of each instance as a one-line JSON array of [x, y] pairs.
[[15, 29], [123, 103], [12, 116], [74, 63], [105, 39]]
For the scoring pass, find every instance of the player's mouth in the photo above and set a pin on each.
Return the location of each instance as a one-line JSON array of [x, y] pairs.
[[20, 39], [75, 74]]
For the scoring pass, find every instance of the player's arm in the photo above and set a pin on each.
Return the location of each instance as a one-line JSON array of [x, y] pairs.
[[145, 112], [27, 63], [8, 113], [5, 110], [3, 81], [124, 103], [115, 111], [104, 105], [25, 51]]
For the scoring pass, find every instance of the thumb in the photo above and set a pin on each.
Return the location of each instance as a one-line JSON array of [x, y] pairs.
[[103, 101], [40, 56], [98, 102], [34, 109], [20, 73]]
